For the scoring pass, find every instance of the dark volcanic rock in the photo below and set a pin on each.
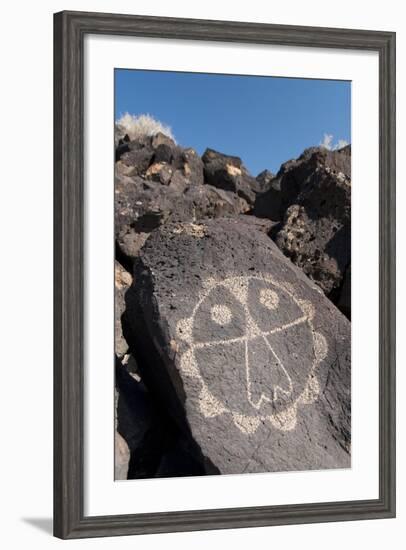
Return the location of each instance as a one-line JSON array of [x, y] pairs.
[[163, 153], [316, 230], [295, 174], [229, 173], [158, 158], [268, 203], [141, 207], [311, 196], [264, 180], [138, 159], [260, 224], [192, 166], [157, 181], [162, 139], [244, 351]]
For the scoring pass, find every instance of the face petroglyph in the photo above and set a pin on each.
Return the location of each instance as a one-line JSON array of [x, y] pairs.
[[251, 328]]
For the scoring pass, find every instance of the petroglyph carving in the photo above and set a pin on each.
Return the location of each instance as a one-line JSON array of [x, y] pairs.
[[251, 326]]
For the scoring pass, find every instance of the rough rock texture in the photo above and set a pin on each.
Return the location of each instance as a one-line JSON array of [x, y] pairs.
[[261, 224], [264, 180], [122, 281], [157, 181], [158, 158], [244, 352], [268, 202], [229, 173], [316, 229], [293, 174], [311, 197], [140, 208]]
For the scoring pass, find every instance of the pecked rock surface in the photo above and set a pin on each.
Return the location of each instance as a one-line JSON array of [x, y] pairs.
[[245, 353]]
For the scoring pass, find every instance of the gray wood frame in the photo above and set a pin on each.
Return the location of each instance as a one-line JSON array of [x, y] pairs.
[[69, 31]]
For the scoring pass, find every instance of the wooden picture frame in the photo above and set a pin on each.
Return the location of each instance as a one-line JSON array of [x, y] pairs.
[[69, 31]]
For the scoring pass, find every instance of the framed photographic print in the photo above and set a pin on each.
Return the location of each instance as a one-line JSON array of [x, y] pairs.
[[224, 274]]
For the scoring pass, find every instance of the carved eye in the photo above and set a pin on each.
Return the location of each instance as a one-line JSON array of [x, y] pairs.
[[221, 314], [269, 306], [269, 298]]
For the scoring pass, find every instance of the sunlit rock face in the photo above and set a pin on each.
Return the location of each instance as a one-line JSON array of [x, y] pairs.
[[244, 351]]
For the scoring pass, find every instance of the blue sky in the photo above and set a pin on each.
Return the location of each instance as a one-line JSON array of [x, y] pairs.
[[263, 120]]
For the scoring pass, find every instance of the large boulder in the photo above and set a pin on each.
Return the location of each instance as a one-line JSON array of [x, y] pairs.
[[228, 173], [316, 229], [294, 174], [245, 353]]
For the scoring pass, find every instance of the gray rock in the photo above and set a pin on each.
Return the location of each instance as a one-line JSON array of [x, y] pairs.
[[294, 174], [264, 180], [316, 230], [268, 203], [229, 173], [192, 166], [163, 153], [156, 181], [261, 224], [138, 159], [162, 139], [244, 351], [140, 208]]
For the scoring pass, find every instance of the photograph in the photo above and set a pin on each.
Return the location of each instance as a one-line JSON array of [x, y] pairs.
[[232, 274]]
